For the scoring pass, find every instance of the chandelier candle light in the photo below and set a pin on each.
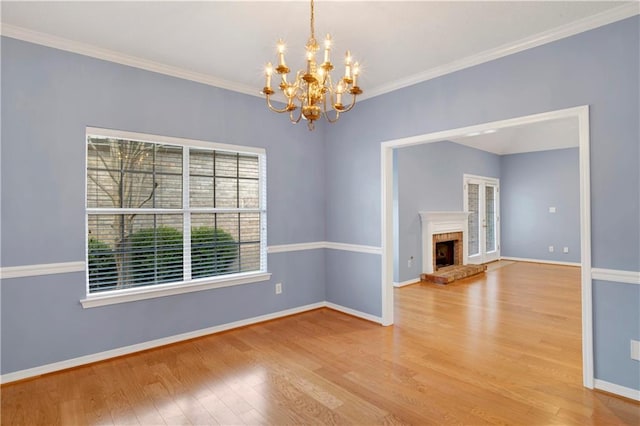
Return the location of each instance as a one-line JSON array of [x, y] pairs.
[[313, 88]]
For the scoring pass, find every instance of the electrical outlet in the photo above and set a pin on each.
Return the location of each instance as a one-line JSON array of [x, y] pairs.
[[278, 288], [552, 209], [410, 262], [551, 249], [565, 250], [635, 350]]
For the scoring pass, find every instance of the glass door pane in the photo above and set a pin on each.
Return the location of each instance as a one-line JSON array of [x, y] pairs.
[[474, 219], [490, 218]]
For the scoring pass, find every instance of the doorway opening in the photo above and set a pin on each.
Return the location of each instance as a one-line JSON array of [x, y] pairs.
[[581, 115]]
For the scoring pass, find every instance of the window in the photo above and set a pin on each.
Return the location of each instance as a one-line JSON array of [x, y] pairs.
[[166, 211]]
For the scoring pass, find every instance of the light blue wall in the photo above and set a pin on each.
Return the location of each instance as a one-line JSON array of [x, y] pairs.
[[48, 98], [351, 275], [430, 178], [616, 308], [599, 68], [531, 183]]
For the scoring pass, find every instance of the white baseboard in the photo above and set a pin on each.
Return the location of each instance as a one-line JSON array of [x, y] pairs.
[[126, 350], [617, 389], [408, 282], [343, 309], [550, 262]]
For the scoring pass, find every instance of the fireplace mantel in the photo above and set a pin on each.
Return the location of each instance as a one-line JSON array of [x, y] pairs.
[[439, 223]]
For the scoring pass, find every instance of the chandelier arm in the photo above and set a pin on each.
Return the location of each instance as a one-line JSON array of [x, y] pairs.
[[329, 119], [272, 108], [295, 120], [324, 107], [353, 103]]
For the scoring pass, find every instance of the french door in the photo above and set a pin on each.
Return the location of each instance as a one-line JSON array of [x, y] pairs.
[[482, 201]]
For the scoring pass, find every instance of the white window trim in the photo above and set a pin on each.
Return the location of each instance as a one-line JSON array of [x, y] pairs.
[[161, 290]]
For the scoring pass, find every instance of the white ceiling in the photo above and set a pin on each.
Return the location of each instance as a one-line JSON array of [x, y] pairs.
[[398, 43], [539, 136]]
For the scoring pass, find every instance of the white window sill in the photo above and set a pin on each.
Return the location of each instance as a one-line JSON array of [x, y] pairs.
[[162, 290]]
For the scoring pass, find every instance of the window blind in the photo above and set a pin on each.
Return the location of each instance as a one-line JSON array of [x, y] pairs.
[[161, 213]]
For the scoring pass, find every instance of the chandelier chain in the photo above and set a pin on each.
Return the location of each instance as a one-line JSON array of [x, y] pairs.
[[313, 36]]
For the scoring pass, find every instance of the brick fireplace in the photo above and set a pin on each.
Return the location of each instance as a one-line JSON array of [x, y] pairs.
[[447, 249], [441, 227]]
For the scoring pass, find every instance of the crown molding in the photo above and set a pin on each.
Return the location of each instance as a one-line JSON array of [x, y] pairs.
[[60, 43], [589, 23], [577, 27]]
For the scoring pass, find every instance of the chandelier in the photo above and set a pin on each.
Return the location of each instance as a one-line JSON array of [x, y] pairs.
[[313, 91]]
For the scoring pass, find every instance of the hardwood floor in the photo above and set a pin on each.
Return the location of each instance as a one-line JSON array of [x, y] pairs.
[[499, 348]]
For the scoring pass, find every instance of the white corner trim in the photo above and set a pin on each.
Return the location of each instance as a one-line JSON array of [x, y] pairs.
[[586, 24], [586, 284], [101, 356], [283, 248], [353, 312], [353, 247], [618, 276], [617, 389], [162, 290], [405, 283], [42, 269], [72, 46], [550, 262]]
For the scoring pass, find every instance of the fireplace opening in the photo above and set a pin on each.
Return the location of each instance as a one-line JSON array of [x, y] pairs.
[[445, 254], [447, 249]]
